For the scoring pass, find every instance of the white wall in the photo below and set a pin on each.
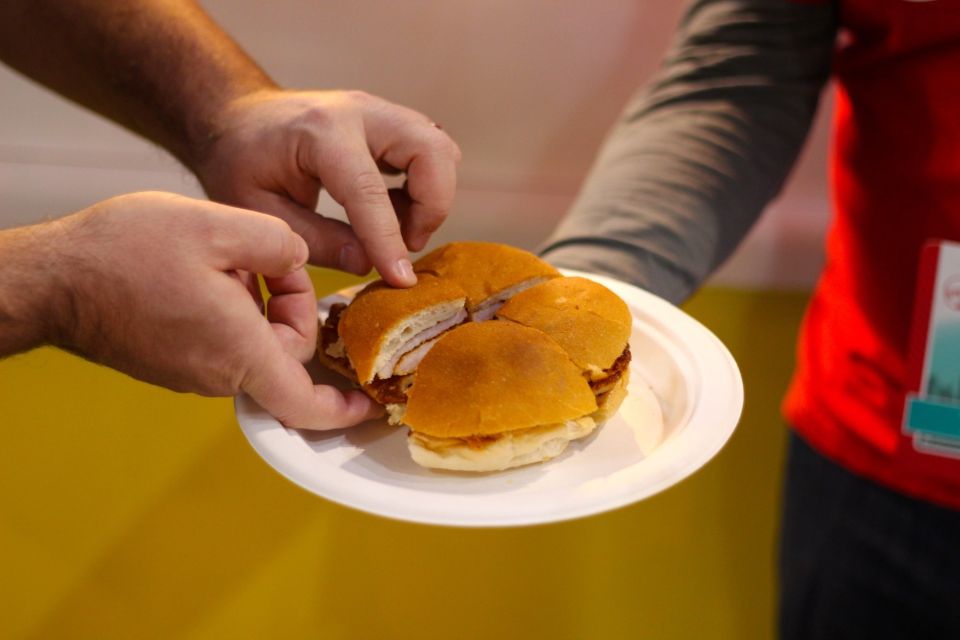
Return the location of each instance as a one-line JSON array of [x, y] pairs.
[[528, 88]]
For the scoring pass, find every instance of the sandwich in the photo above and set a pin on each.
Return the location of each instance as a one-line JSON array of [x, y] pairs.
[[491, 366], [493, 395]]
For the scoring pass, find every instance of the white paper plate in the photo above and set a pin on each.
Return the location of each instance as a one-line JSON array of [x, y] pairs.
[[635, 455]]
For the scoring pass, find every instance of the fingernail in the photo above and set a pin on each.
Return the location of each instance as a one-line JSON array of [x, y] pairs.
[[404, 271], [350, 259]]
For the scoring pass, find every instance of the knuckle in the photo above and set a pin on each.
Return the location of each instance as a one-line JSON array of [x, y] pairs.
[[435, 217], [317, 116], [429, 223], [242, 372], [392, 234], [235, 378], [442, 144], [242, 379], [99, 214], [383, 234], [207, 233], [217, 376], [357, 96], [275, 224], [449, 149], [433, 198], [441, 141], [218, 384], [368, 187], [433, 209], [281, 241]]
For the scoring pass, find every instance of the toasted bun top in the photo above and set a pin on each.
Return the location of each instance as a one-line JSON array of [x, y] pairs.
[[484, 378], [483, 269], [379, 311], [590, 322]]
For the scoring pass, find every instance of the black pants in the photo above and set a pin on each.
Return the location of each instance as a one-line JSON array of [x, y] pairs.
[[861, 561]]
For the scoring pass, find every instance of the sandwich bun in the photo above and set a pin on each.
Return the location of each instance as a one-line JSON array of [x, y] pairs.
[[590, 322], [488, 272], [513, 448], [487, 378], [494, 395]]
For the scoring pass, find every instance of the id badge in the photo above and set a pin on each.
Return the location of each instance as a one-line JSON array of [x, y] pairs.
[[931, 417]]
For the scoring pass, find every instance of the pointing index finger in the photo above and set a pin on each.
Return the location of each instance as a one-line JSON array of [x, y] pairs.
[[352, 178], [408, 141]]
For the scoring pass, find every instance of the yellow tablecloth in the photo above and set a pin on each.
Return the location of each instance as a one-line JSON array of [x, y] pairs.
[[128, 511]]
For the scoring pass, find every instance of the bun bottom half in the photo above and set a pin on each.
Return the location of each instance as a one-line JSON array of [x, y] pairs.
[[513, 448]]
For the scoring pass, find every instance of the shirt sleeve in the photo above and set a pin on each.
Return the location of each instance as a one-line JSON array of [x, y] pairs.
[[697, 155]]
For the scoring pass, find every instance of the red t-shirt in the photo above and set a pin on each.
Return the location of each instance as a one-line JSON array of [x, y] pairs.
[[895, 172]]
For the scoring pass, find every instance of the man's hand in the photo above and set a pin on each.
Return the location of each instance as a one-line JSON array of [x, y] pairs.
[[164, 69], [155, 285], [273, 150]]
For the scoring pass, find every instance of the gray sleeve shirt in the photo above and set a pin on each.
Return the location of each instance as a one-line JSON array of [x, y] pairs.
[[697, 155]]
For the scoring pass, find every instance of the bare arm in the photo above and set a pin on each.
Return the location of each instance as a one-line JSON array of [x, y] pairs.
[[697, 156], [32, 293], [161, 68], [165, 70]]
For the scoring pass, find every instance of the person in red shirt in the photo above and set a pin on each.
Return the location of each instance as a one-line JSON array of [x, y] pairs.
[[160, 286], [868, 545]]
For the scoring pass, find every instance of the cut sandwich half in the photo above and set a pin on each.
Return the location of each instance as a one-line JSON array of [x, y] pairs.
[[494, 395], [379, 337], [589, 322], [489, 273]]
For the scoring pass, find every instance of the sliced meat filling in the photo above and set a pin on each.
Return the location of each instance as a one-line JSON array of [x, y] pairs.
[[409, 361], [487, 309], [426, 335]]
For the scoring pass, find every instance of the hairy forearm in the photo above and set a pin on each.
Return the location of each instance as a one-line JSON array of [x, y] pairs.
[[34, 298], [161, 68], [698, 155]]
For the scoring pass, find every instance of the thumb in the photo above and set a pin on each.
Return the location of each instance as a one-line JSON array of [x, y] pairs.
[[282, 386]]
